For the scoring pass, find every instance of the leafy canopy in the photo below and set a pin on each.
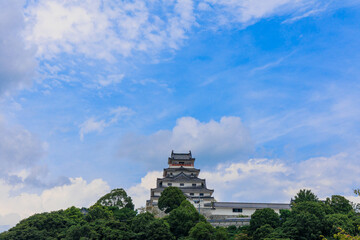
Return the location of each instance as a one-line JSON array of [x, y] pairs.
[[262, 217], [170, 199], [305, 195], [116, 198], [183, 218]]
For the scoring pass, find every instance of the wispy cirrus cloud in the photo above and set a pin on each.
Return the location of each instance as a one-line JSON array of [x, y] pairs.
[[101, 30], [246, 13], [115, 31], [93, 125]]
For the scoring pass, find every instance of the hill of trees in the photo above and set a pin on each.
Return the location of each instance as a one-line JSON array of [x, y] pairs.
[[113, 217]]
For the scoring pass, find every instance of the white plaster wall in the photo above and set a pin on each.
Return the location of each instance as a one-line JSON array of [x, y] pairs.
[[165, 184], [229, 211]]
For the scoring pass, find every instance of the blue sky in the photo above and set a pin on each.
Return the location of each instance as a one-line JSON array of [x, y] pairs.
[[96, 94]]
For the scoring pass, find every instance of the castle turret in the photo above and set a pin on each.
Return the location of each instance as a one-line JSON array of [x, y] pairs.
[[181, 173]]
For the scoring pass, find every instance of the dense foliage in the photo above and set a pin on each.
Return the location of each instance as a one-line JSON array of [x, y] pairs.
[[170, 199], [114, 217]]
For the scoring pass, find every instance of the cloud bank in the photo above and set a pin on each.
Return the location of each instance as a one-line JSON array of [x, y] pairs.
[[77, 193], [271, 180], [108, 31], [214, 140], [103, 29]]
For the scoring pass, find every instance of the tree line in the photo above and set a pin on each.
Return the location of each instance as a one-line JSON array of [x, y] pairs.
[[113, 217]]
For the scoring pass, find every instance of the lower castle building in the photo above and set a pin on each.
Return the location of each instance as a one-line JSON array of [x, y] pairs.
[[181, 173]]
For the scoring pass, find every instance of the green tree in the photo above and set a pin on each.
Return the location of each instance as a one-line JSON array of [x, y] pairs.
[[140, 221], [74, 214], [202, 231], [336, 221], [262, 217], [263, 232], [147, 227], [123, 214], [339, 204], [170, 199], [343, 235], [316, 208], [305, 195], [183, 218], [302, 226], [284, 215], [242, 236], [158, 229], [221, 234], [98, 211], [40, 226], [116, 198]]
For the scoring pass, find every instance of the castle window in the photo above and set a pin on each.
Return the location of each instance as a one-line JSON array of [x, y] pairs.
[[191, 194], [201, 194], [194, 184], [169, 184], [237, 209], [181, 184], [182, 163]]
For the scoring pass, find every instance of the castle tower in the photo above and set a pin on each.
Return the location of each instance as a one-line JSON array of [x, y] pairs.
[[181, 173]]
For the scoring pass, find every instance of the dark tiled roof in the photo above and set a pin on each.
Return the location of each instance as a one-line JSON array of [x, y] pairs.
[[251, 205], [181, 168], [187, 189], [181, 156], [182, 177]]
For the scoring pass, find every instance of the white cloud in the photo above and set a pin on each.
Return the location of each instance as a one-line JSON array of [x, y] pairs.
[[247, 12], [111, 79], [17, 63], [100, 29], [267, 180], [77, 193], [270, 180], [141, 192], [227, 137], [120, 112], [93, 125], [252, 180], [326, 112], [108, 30]]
